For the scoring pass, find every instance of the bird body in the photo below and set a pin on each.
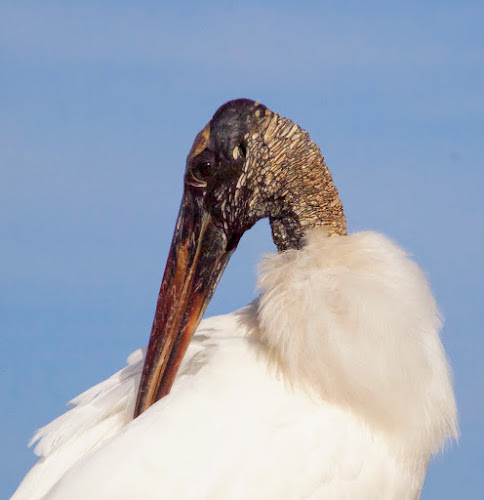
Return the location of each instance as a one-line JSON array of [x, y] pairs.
[[333, 384]]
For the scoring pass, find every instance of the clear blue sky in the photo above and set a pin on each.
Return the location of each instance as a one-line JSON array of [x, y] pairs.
[[99, 104]]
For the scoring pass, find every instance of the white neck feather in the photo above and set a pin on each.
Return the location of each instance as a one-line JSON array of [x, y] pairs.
[[353, 320]]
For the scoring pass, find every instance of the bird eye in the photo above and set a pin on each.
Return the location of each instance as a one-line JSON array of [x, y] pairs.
[[204, 169]]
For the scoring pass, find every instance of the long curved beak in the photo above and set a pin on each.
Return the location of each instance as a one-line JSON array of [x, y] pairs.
[[197, 258]]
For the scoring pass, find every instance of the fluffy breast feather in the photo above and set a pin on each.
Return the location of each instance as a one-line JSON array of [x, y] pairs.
[[333, 384]]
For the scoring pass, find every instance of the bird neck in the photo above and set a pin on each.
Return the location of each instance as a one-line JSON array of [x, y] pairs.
[[301, 191], [309, 200]]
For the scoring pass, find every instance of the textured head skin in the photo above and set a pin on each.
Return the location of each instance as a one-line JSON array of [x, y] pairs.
[[252, 163]]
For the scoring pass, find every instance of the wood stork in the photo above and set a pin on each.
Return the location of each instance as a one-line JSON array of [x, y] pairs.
[[333, 384]]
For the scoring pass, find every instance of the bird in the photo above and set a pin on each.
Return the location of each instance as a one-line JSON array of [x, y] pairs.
[[332, 384]]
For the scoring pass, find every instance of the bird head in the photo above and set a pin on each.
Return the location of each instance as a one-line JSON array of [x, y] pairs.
[[246, 164]]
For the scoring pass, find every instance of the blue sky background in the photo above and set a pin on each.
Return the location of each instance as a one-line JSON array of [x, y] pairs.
[[99, 104]]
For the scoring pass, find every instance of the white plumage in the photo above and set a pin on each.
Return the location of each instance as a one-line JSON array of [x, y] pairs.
[[332, 385]]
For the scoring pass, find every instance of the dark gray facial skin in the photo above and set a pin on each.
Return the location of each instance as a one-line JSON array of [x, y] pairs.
[[256, 164]]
